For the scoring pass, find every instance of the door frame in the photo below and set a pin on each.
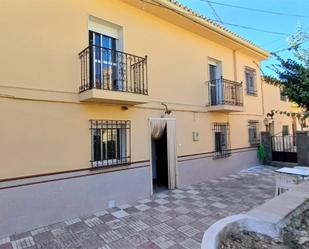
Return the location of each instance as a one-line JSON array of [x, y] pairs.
[[170, 127], [219, 88]]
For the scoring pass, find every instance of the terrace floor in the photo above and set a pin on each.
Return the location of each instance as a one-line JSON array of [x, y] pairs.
[[172, 219]]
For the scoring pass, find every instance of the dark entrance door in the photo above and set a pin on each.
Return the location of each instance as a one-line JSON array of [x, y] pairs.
[[160, 164], [284, 149]]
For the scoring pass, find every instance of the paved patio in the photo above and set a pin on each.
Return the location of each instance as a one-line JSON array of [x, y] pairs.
[[172, 219]]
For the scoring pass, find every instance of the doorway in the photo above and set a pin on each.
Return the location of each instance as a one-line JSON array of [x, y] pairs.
[[215, 79], [163, 154], [160, 163]]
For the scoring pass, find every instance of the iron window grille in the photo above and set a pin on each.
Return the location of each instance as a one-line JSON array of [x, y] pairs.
[[110, 142], [222, 140], [250, 77], [253, 132]]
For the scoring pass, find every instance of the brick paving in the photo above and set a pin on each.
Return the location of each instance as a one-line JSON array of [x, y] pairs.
[[169, 220]]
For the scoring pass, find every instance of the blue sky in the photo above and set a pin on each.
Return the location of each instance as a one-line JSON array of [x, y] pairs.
[[276, 23]]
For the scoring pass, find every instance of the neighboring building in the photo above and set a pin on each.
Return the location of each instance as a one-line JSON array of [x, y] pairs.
[[296, 123], [80, 105], [280, 124]]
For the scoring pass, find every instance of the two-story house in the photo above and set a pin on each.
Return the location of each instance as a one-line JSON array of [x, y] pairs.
[[103, 102]]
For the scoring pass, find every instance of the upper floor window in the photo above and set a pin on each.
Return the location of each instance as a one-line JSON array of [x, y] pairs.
[[222, 140], [250, 77], [215, 82], [253, 132], [101, 40], [105, 66], [103, 61], [285, 130], [282, 96], [110, 142]]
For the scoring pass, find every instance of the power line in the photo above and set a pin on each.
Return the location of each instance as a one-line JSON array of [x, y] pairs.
[[291, 47], [215, 12], [256, 29], [225, 23], [274, 41], [257, 10]]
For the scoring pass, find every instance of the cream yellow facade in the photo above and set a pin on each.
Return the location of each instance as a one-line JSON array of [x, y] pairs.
[[45, 119], [40, 76]]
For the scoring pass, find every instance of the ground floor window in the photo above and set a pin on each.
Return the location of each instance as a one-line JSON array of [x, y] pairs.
[[222, 140], [110, 142], [253, 132]]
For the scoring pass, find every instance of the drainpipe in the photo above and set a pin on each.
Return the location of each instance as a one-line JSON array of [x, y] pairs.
[[235, 79], [235, 65], [262, 87]]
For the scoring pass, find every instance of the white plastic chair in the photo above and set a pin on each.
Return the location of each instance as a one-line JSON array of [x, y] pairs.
[[285, 182]]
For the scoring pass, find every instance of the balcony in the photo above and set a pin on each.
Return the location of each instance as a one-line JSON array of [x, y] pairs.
[[112, 76], [224, 96]]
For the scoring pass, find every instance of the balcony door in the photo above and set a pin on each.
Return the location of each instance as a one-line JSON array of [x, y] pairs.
[[216, 84], [105, 68]]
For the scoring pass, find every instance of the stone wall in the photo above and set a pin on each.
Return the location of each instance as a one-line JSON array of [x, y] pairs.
[[302, 143]]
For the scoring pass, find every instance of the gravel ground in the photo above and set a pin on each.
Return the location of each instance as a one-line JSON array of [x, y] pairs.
[[251, 240], [295, 236]]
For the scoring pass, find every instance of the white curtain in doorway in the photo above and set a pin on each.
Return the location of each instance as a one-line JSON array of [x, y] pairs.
[[157, 127], [172, 154]]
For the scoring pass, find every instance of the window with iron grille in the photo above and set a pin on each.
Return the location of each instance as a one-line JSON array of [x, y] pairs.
[[222, 140], [253, 131], [250, 81], [110, 142]]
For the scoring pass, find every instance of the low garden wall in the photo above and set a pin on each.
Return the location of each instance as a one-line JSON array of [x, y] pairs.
[[266, 222]]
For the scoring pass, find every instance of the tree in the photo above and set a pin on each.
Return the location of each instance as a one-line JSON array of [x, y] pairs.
[[293, 75]]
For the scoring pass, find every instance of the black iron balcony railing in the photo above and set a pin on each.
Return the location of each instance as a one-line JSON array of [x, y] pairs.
[[107, 69], [224, 92]]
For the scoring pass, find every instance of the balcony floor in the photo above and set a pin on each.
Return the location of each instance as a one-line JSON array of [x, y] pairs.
[[225, 108], [107, 96]]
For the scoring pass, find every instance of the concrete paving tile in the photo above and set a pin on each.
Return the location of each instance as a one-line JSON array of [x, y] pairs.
[[142, 207], [173, 219], [120, 214], [161, 201], [6, 246], [110, 236], [190, 244], [124, 206], [164, 242], [137, 240]]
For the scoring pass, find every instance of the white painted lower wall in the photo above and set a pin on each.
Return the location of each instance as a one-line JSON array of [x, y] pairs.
[[27, 207], [195, 169]]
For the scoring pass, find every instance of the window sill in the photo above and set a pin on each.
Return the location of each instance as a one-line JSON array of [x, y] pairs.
[[254, 144], [108, 164], [252, 94]]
